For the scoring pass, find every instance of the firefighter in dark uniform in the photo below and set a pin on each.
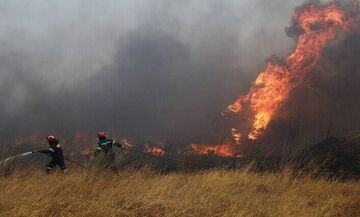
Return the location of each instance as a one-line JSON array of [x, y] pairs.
[[105, 146], [56, 154]]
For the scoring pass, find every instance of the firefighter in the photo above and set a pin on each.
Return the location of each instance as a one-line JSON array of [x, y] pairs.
[[105, 145], [56, 153]]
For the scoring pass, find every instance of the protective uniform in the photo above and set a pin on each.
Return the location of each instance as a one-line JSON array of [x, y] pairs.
[[56, 153], [105, 145]]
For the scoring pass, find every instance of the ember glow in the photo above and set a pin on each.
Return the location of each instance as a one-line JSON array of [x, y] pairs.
[[158, 150], [80, 142], [33, 139], [236, 135], [126, 143], [219, 150], [319, 25]]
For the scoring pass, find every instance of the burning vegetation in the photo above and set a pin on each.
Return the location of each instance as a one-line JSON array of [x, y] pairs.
[[314, 26], [141, 180], [220, 150], [317, 26], [157, 149]]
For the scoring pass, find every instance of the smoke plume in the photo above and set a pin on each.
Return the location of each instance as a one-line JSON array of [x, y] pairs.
[[156, 71]]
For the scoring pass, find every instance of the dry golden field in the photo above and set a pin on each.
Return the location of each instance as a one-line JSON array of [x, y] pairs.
[[145, 193]]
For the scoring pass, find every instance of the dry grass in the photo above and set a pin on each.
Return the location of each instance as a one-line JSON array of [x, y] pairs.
[[140, 193]]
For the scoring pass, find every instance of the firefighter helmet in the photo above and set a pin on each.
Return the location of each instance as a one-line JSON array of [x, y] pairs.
[[51, 138], [101, 134]]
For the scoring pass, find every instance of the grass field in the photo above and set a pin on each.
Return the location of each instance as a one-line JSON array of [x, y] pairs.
[[145, 193]]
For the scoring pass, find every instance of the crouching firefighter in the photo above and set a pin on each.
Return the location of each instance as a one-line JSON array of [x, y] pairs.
[[105, 145], [56, 153]]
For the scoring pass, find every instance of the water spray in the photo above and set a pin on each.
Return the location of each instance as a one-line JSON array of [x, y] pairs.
[[16, 156]]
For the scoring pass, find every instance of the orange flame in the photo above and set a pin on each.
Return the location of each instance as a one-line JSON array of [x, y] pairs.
[[158, 150], [273, 86], [220, 150], [236, 135], [126, 143]]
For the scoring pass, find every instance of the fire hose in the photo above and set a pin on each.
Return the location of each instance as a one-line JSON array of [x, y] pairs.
[[33, 152], [16, 156], [76, 163], [82, 166]]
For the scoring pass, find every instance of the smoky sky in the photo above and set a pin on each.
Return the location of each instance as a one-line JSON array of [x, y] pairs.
[[146, 70]]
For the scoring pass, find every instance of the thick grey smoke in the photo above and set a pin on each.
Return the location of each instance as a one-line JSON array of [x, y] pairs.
[[147, 70]]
